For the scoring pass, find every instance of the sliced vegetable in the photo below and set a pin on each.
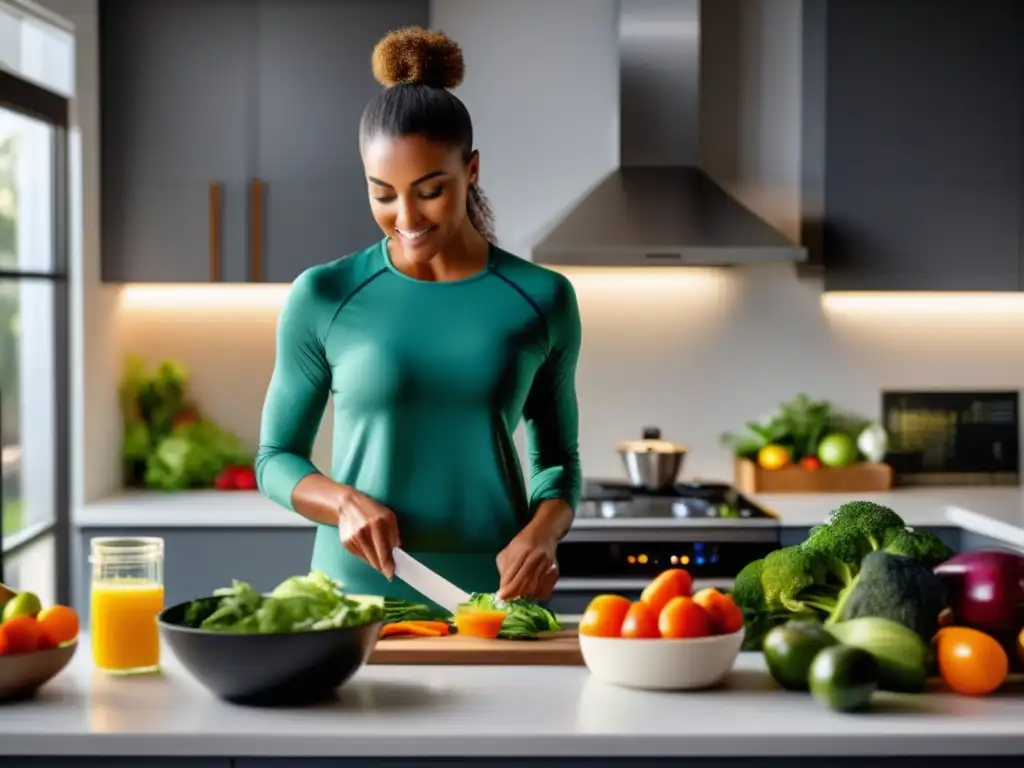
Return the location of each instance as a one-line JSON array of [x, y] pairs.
[[790, 649], [473, 622], [843, 678], [524, 619], [899, 652], [416, 628]]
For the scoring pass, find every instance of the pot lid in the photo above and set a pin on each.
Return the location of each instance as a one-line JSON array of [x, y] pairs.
[[651, 443]]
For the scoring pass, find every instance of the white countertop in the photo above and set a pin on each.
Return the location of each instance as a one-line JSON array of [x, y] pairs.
[[994, 512], [497, 711]]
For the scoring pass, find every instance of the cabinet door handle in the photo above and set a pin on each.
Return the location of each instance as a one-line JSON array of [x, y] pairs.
[[256, 230], [216, 230]]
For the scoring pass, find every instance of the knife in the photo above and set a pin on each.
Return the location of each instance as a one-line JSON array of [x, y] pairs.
[[427, 582]]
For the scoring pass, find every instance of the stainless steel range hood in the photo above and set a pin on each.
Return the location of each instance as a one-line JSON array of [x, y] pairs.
[[659, 207]]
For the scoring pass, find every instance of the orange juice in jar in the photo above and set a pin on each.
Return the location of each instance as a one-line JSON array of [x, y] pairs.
[[127, 595]]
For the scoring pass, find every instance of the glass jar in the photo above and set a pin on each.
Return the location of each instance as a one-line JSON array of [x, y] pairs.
[[127, 595]]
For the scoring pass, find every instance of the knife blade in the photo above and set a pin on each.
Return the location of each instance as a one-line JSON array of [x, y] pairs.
[[431, 584]]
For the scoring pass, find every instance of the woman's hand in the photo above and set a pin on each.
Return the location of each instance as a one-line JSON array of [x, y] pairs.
[[368, 530], [527, 566]]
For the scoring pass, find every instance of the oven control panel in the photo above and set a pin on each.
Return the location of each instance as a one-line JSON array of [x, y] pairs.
[[640, 559]]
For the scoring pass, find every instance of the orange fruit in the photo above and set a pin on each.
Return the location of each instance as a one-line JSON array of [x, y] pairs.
[[674, 582], [970, 662], [773, 457], [3, 643], [641, 622], [21, 634], [604, 616], [683, 618], [726, 616], [59, 624]]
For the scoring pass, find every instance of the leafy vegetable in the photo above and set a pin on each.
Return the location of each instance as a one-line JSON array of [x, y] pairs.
[[399, 611], [524, 619], [192, 456], [897, 588], [799, 425], [298, 604], [812, 578], [166, 444]]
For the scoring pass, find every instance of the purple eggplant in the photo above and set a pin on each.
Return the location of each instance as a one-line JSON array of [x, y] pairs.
[[986, 589]]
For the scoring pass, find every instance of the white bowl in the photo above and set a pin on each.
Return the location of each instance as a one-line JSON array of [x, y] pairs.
[[662, 663]]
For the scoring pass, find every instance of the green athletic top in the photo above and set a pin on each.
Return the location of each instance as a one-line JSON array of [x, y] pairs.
[[429, 381]]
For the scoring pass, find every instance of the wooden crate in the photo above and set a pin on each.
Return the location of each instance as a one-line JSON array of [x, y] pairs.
[[864, 477]]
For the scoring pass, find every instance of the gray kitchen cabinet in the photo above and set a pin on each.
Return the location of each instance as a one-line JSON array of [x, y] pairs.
[[314, 79], [177, 103], [912, 134], [199, 560], [230, 134]]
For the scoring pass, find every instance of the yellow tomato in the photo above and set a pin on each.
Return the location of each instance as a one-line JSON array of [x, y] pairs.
[[773, 457]]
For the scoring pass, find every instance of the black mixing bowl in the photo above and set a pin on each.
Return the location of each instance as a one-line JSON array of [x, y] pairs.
[[267, 670]]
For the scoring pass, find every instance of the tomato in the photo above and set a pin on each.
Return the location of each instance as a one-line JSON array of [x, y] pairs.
[[604, 616], [21, 634], [970, 662], [641, 621], [726, 616], [674, 582], [59, 624], [683, 618]]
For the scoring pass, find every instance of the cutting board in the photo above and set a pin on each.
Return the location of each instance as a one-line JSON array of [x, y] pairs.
[[550, 649]]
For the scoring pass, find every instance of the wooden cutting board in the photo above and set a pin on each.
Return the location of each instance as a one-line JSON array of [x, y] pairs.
[[550, 649]]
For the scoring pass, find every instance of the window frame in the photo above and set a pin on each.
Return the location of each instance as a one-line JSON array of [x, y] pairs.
[[34, 101]]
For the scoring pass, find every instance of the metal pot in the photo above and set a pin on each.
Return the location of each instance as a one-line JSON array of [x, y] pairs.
[[652, 463]]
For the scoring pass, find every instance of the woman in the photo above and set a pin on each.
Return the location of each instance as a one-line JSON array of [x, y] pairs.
[[434, 344]]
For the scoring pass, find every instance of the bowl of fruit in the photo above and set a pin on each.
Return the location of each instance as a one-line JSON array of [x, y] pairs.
[[670, 639], [36, 643]]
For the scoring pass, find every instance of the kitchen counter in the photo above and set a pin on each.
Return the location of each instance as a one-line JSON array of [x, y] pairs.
[[997, 513], [505, 711]]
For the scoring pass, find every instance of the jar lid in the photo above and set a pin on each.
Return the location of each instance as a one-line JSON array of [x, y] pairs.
[[126, 547]]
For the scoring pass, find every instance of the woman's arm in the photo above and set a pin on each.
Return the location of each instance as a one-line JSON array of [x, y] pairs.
[[292, 413], [551, 418], [293, 410]]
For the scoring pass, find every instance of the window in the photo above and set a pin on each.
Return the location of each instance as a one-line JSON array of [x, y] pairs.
[[34, 446]]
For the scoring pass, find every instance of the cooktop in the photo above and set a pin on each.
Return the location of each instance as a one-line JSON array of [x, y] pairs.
[[686, 500]]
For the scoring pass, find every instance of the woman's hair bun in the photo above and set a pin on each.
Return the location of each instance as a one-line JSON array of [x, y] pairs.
[[414, 55]]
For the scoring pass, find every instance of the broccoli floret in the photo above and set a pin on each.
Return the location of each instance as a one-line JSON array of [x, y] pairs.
[[894, 587], [924, 547], [863, 518], [795, 579], [747, 591]]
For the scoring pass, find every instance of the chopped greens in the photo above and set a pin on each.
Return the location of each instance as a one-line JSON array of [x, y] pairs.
[[298, 604], [398, 611], [524, 620]]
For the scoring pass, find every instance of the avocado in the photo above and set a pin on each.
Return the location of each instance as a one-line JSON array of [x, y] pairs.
[[790, 648], [843, 678]]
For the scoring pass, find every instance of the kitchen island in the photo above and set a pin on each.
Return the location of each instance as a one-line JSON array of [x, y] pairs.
[[86, 718]]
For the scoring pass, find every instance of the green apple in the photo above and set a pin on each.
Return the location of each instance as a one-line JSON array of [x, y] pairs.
[[22, 604], [837, 450]]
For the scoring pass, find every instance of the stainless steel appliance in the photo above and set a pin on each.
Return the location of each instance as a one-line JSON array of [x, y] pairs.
[[652, 463], [623, 536]]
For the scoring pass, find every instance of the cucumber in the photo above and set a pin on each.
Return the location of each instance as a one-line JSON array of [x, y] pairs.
[[790, 648], [900, 653], [843, 678]]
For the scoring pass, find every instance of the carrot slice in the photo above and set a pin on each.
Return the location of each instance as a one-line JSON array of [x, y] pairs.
[[415, 628]]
